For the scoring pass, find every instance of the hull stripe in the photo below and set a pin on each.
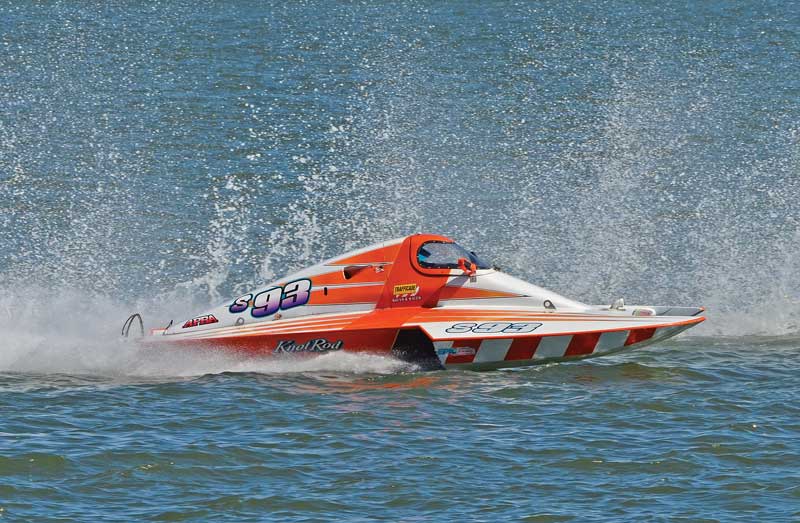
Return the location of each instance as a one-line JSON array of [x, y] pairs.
[[582, 344], [552, 347], [265, 332], [611, 340], [265, 326], [639, 335], [492, 350], [522, 349]]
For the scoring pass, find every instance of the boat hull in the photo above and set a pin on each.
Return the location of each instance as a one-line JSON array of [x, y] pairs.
[[381, 332]]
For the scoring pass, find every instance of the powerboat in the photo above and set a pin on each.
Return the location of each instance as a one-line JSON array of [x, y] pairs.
[[425, 299]]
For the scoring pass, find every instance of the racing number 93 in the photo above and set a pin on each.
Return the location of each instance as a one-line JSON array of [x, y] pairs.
[[268, 302], [493, 328]]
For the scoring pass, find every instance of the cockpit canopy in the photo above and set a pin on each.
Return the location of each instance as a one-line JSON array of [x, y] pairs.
[[440, 254]]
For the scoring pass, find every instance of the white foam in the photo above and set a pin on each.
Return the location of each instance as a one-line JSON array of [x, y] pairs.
[[78, 333]]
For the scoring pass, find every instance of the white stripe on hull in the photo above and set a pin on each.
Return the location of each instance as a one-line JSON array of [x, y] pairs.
[[492, 350], [552, 347], [611, 341]]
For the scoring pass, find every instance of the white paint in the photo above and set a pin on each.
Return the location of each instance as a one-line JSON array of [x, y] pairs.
[[611, 340], [492, 350], [552, 347]]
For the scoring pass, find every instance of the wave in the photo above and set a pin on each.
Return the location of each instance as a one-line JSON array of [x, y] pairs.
[[77, 332]]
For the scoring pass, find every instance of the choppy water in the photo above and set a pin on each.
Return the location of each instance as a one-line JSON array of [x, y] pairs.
[[163, 156]]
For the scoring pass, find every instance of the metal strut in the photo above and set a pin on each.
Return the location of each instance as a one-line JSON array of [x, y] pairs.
[[126, 327]]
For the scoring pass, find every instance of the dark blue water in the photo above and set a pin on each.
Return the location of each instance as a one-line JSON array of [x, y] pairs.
[[163, 156]]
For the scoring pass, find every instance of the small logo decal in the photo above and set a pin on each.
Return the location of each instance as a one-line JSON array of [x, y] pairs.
[[201, 320], [457, 351], [406, 288], [318, 345], [405, 292]]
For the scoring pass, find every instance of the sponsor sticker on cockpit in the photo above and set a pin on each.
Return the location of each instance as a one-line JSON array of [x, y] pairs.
[[405, 288]]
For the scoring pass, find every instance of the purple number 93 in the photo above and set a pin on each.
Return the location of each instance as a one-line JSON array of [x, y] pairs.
[[270, 301]]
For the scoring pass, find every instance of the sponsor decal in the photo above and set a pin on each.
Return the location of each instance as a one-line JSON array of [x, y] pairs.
[[406, 288], [499, 327], [318, 345], [405, 292], [270, 301], [200, 320], [456, 351]]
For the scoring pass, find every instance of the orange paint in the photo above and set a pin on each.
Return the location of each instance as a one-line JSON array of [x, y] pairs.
[[365, 275], [464, 293], [346, 295]]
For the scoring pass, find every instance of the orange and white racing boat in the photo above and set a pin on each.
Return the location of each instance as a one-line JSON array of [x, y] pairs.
[[426, 299]]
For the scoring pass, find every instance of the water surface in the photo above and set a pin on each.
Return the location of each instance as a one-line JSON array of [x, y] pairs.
[[161, 157]]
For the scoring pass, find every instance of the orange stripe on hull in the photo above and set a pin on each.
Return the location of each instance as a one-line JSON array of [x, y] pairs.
[[300, 323], [269, 329], [463, 293]]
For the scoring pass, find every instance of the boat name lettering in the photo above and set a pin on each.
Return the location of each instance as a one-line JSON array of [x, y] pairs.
[[270, 301], [317, 345], [494, 327], [200, 320]]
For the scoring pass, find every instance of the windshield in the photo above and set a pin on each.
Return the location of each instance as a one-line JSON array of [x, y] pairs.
[[445, 255]]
